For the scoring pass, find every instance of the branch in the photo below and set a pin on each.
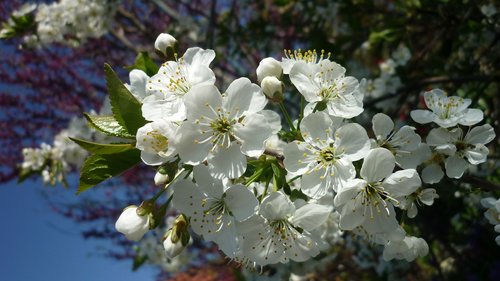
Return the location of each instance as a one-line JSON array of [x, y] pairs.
[[481, 183]]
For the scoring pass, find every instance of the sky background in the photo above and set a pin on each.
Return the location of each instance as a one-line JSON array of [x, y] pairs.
[[37, 244]]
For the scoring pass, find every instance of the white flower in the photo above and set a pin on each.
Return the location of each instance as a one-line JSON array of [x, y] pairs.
[[225, 129], [172, 249], [388, 66], [325, 158], [402, 55], [273, 88], [274, 237], [269, 67], [408, 249], [421, 196], [370, 199], [489, 10], [493, 212], [326, 83], [458, 147], [400, 142], [131, 224], [446, 111], [153, 139], [214, 208], [174, 79], [165, 41]]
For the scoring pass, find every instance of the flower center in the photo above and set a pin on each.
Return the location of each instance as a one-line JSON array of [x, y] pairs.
[[158, 141], [327, 156], [221, 125]]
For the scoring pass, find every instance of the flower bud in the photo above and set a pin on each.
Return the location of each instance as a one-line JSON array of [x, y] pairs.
[[273, 88], [131, 224], [269, 67], [161, 179], [176, 238], [166, 44]]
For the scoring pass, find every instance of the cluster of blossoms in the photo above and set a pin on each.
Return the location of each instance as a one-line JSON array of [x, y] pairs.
[[66, 21], [54, 161], [388, 82], [221, 145]]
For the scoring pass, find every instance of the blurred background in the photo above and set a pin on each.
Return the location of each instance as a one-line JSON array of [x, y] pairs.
[[51, 71]]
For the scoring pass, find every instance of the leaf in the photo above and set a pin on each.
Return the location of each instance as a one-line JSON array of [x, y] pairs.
[[125, 107], [144, 63], [100, 167], [103, 148], [108, 125], [139, 261]]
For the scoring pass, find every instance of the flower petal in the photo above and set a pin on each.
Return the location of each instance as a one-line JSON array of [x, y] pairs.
[[202, 101], [477, 155], [311, 216], [455, 166], [480, 134], [252, 132], [472, 117], [316, 129], [382, 126], [227, 162], [402, 183], [302, 76], [297, 157], [377, 165], [422, 116], [432, 174], [353, 141], [241, 202], [243, 97]]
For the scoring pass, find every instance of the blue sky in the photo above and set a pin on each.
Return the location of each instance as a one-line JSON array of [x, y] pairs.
[[37, 244]]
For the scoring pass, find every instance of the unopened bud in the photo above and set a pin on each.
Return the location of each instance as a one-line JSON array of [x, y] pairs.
[[174, 247], [273, 88], [161, 179], [269, 67], [166, 44], [131, 224]]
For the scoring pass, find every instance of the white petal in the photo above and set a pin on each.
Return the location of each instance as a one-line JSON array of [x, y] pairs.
[[316, 128], [349, 191], [422, 116], [455, 166], [227, 162], [211, 187], [480, 134], [297, 157], [152, 159], [241, 202], [311, 216], [378, 164], [276, 206], [472, 117], [302, 76], [315, 183], [477, 155], [382, 126], [187, 197], [432, 173], [187, 144], [156, 108], [402, 183], [441, 136], [252, 133], [200, 75], [352, 140], [243, 97], [427, 196], [138, 80], [197, 56], [202, 101], [349, 106], [273, 119], [351, 215]]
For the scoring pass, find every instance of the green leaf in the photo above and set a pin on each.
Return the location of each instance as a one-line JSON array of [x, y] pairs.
[[126, 108], [108, 125], [144, 63], [103, 148], [100, 167]]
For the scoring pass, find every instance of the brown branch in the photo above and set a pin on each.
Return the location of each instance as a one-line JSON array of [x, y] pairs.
[[481, 183]]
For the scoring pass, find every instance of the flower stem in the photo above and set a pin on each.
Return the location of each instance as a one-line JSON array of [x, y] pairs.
[[287, 117], [159, 193]]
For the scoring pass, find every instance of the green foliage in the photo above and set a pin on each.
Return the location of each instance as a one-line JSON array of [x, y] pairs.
[[101, 148], [17, 26], [108, 125], [126, 108], [144, 62], [100, 167]]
